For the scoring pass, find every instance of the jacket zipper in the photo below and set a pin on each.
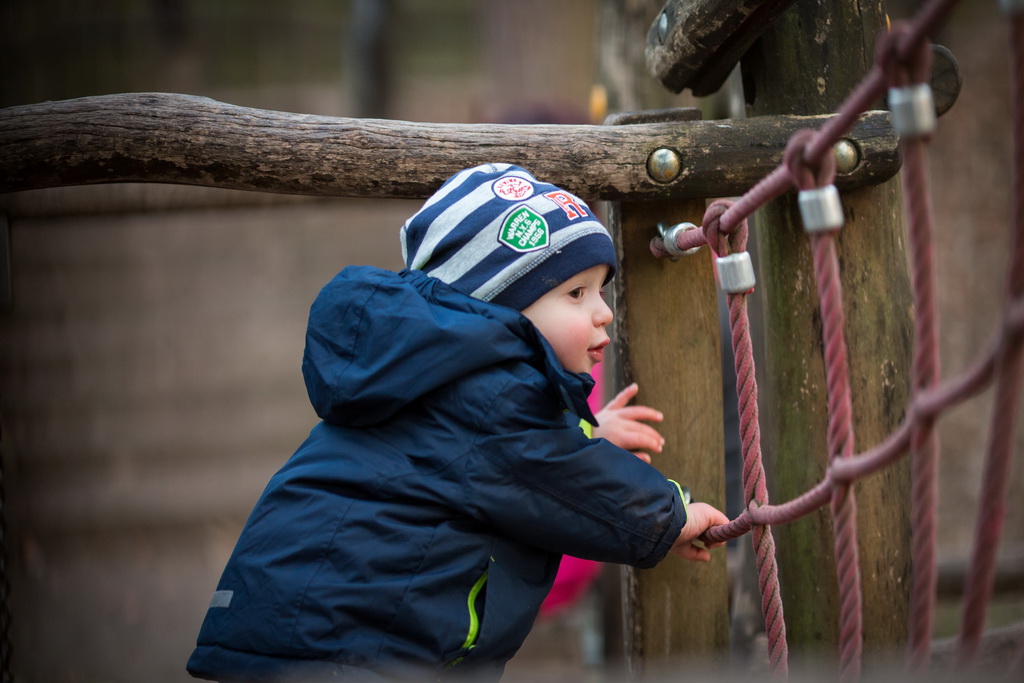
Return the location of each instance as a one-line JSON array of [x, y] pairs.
[[474, 618]]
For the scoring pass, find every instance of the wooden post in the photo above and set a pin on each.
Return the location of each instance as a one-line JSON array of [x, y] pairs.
[[807, 62], [667, 340]]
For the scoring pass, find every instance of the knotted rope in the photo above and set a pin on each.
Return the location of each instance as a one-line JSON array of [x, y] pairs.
[[1007, 395], [808, 176], [902, 60], [755, 490], [915, 68]]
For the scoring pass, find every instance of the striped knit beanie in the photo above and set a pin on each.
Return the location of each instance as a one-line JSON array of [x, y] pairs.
[[498, 234]]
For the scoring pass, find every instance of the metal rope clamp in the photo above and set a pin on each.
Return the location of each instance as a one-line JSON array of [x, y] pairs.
[[736, 273], [669, 235], [913, 110], [821, 209]]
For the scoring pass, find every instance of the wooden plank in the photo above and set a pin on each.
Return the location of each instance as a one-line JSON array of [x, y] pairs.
[[666, 338], [153, 137], [696, 43], [667, 341]]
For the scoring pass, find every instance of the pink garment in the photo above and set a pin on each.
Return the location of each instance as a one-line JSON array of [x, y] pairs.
[[575, 575]]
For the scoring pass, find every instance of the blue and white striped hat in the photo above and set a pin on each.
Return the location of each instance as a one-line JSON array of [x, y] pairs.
[[498, 234]]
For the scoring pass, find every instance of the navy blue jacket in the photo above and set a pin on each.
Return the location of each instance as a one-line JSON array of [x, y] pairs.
[[422, 522]]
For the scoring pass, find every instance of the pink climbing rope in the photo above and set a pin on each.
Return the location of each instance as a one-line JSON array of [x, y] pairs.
[[913, 68], [755, 489], [903, 58], [840, 406], [1008, 386]]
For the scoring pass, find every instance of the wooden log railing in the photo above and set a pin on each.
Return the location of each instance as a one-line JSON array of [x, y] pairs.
[[166, 138]]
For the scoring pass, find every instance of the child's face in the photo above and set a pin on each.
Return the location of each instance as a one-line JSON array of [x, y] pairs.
[[573, 317]]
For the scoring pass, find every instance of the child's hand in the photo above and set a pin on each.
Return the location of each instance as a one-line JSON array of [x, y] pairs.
[[620, 424], [701, 517]]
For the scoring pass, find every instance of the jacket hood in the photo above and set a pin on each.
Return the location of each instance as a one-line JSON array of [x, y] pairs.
[[378, 341]]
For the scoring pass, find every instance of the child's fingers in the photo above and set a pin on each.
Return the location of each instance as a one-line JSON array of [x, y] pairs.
[[643, 456], [623, 397], [700, 554], [634, 438], [645, 432], [641, 413], [693, 553], [703, 556], [717, 518]]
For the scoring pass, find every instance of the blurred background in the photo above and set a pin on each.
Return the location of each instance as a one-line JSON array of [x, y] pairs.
[[151, 335]]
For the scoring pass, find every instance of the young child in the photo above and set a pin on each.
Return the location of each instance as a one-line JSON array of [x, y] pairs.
[[418, 528]]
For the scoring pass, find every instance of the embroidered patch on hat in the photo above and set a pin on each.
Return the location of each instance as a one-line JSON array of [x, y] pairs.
[[524, 230], [513, 188], [572, 206]]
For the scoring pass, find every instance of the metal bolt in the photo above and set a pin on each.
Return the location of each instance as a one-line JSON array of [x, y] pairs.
[[669, 235], [663, 165], [946, 79], [847, 156], [662, 27]]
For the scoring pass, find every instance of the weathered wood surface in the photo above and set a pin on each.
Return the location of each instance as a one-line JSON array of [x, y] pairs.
[[878, 332], [155, 137], [667, 340], [696, 43]]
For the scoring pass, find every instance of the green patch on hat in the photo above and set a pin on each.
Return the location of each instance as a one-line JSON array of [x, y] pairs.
[[524, 230]]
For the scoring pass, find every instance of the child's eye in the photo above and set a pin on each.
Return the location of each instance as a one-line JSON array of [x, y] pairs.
[[576, 293]]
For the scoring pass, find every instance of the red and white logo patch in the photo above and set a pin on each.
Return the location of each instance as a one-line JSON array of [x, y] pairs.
[[513, 188], [572, 206]]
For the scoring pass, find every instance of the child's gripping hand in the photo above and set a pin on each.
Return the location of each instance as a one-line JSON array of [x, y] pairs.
[[621, 424], [700, 517]]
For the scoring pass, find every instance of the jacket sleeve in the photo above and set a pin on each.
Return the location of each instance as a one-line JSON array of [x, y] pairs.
[[542, 481]]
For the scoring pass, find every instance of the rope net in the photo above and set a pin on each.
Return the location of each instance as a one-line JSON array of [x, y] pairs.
[[902, 67]]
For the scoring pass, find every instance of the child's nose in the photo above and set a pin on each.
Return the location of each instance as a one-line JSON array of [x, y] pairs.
[[603, 315]]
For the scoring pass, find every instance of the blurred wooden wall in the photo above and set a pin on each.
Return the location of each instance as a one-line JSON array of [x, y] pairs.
[[150, 357], [149, 362]]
